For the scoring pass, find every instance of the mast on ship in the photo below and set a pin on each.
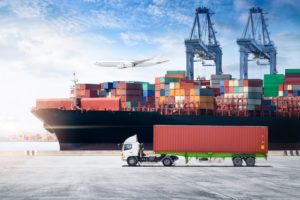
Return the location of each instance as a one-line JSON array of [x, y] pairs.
[[74, 88]]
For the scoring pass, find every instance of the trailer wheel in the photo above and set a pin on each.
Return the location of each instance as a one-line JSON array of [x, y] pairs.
[[237, 161], [250, 161], [132, 161], [167, 162]]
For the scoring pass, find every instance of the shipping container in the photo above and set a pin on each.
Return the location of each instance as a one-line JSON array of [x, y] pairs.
[[112, 104], [62, 103], [214, 139]]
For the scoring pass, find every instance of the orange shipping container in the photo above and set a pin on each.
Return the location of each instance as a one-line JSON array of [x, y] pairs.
[[65, 104], [215, 139], [161, 86], [100, 104], [157, 80], [175, 76]]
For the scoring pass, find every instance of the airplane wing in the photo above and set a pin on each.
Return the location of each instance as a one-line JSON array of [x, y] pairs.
[[163, 61], [109, 64], [137, 62]]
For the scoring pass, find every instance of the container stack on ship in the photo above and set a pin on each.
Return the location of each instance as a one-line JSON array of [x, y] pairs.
[[101, 116]]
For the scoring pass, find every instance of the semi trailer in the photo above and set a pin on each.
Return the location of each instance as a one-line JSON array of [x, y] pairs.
[[240, 143]]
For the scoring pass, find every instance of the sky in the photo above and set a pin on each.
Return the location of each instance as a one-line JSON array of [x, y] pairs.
[[42, 42]]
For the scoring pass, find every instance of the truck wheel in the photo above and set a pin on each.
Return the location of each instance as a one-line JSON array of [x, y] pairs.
[[250, 161], [132, 161], [167, 162], [237, 161]]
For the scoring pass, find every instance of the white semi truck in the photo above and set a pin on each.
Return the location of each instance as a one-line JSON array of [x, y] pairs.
[[133, 153], [241, 143]]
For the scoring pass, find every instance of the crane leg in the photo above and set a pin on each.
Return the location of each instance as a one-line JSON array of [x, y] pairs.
[[243, 64]]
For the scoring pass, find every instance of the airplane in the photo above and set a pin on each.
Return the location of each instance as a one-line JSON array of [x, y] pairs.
[[130, 64]]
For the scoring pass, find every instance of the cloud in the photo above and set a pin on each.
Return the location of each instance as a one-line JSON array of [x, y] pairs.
[[29, 8], [133, 39], [109, 20], [242, 5]]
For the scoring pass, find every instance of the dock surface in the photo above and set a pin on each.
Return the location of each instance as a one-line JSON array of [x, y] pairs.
[[107, 177]]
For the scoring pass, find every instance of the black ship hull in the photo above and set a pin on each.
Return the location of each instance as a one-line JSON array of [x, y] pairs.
[[98, 130]]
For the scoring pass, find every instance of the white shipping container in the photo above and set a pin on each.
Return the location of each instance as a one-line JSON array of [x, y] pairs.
[[254, 101], [236, 83], [295, 87], [172, 85]]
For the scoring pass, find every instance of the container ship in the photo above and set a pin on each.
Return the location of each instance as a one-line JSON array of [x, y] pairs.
[[102, 116]]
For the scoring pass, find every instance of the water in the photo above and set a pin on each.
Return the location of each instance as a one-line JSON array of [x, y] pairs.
[[23, 146]]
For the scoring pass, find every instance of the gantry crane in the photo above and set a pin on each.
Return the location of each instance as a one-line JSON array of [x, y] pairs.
[[256, 40], [202, 42]]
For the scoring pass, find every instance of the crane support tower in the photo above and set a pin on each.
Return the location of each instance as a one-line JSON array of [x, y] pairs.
[[202, 42], [256, 40]]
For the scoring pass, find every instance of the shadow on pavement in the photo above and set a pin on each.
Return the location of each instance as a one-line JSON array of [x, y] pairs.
[[196, 166]]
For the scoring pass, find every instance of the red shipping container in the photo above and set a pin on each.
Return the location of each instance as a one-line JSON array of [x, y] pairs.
[[215, 139], [253, 83], [84, 86], [133, 86], [157, 93], [128, 92], [292, 75], [226, 89], [231, 89], [157, 80], [292, 81], [226, 83], [86, 93], [205, 82], [100, 104], [216, 91], [65, 104]]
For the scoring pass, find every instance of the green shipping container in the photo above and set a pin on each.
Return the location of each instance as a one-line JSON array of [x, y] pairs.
[[131, 104], [168, 79], [271, 83], [148, 86], [292, 71], [176, 72]]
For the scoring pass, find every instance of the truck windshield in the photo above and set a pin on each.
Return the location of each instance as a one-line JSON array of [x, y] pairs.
[[127, 147]]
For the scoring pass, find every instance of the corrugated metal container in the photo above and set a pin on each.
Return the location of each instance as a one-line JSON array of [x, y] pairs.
[[65, 104], [100, 104], [176, 72], [84, 86], [221, 139]]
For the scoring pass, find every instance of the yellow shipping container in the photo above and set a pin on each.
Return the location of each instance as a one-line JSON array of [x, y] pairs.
[[192, 92], [161, 99], [179, 92], [172, 93], [197, 99]]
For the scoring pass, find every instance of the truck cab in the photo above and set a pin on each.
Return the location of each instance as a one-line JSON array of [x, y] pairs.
[[133, 153]]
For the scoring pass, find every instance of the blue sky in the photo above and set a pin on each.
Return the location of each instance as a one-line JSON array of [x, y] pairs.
[[44, 41]]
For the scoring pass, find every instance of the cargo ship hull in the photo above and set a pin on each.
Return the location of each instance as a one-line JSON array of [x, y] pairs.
[[104, 130]]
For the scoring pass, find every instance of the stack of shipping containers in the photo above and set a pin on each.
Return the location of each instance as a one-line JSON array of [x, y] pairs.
[[291, 86], [243, 95], [174, 91]]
